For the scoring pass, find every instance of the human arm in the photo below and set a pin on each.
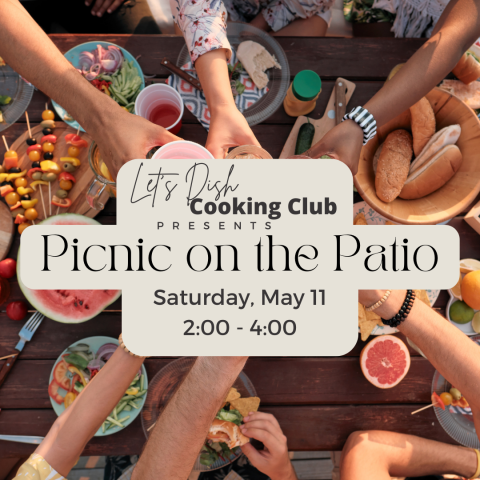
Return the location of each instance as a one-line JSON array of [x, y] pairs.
[[102, 6], [120, 135], [273, 461], [180, 432], [378, 455], [459, 27], [449, 350], [72, 430]]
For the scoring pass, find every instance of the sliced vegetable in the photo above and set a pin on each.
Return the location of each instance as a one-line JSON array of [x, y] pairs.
[[60, 375], [26, 204], [61, 202], [78, 386], [14, 207], [24, 191], [76, 360], [33, 170], [37, 147], [74, 369], [5, 190], [76, 140], [74, 161], [305, 137], [67, 176], [13, 176], [50, 166], [106, 351], [69, 399], [49, 138], [5, 99], [53, 392], [38, 182], [20, 219]]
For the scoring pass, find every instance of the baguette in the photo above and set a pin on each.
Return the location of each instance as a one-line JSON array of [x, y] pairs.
[[467, 69], [393, 165], [423, 124], [433, 174]]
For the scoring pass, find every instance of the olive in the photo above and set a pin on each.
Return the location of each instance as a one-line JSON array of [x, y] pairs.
[[68, 167], [6, 183], [47, 131], [455, 393], [2, 169], [49, 177], [17, 211], [31, 141], [36, 165], [48, 156], [37, 175], [26, 197], [61, 193], [14, 170]]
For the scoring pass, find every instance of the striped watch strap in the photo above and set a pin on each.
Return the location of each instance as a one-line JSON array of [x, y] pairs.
[[365, 121]]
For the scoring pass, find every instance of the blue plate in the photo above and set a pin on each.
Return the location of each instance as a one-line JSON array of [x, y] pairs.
[[73, 55], [95, 343]]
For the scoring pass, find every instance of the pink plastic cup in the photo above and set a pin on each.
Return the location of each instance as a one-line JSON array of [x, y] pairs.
[[159, 94], [182, 149]]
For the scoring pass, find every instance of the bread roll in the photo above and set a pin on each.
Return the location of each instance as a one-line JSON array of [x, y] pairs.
[[376, 157], [433, 174], [445, 136], [393, 165], [423, 124], [467, 69]]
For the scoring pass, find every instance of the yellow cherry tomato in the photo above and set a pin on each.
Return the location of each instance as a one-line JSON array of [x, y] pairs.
[[23, 226], [12, 198], [10, 154], [30, 214], [48, 115], [73, 151], [21, 182], [48, 147], [34, 155], [50, 167], [65, 185], [69, 398], [24, 191], [26, 204]]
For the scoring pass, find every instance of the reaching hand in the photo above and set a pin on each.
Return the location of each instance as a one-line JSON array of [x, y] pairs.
[[344, 142], [228, 128], [102, 6], [129, 137], [273, 461]]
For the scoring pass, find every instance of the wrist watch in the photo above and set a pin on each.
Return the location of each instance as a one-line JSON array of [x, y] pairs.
[[365, 120]]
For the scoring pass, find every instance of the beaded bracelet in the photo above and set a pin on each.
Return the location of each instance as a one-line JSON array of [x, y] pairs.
[[373, 307], [403, 312], [120, 341]]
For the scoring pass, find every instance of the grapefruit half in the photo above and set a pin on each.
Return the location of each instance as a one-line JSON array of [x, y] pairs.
[[68, 306], [385, 361]]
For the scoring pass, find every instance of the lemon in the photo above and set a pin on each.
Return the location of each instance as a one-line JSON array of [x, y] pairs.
[[105, 172], [469, 265], [460, 312], [456, 290], [476, 322]]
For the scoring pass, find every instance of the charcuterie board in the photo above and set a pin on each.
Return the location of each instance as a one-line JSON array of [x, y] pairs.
[[322, 125], [83, 174]]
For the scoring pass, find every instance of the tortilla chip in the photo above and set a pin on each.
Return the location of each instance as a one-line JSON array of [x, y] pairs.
[[245, 405], [366, 325], [233, 394], [373, 317], [423, 296], [360, 219], [388, 222]]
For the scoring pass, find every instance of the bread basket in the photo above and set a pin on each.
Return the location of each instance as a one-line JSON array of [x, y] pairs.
[[457, 194]]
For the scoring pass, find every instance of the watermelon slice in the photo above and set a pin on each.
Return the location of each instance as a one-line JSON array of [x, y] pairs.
[[68, 306]]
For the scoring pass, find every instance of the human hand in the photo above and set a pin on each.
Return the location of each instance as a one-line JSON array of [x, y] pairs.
[[129, 136], [102, 6], [343, 142], [273, 461], [228, 128]]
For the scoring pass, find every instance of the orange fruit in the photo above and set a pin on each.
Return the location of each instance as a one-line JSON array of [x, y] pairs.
[[471, 289]]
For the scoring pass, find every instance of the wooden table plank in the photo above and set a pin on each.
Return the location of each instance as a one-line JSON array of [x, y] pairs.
[[306, 427], [304, 381]]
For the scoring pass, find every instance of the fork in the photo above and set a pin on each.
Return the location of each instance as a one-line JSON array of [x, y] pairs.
[[26, 334]]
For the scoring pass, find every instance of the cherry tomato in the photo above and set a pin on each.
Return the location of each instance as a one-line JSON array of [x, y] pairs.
[[73, 151], [48, 115], [12, 198], [48, 147], [23, 226], [65, 185], [446, 398], [31, 214], [17, 310], [21, 182], [10, 154], [8, 268], [34, 155]]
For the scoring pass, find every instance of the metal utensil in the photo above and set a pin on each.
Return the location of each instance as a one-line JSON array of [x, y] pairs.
[[26, 334], [22, 439], [182, 74]]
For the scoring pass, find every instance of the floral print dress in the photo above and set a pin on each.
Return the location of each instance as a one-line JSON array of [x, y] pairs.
[[204, 22], [37, 468]]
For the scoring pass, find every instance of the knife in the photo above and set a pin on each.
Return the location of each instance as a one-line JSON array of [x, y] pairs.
[[26, 334], [22, 439], [182, 74], [340, 100]]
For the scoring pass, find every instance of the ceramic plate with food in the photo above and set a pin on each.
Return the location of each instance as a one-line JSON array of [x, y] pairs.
[[77, 365], [108, 67]]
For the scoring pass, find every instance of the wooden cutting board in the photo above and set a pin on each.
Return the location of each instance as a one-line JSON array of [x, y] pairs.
[[322, 125], [83, 174], [7, 230]]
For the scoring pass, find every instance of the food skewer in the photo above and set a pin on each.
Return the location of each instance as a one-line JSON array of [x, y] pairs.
[[436, 402], [8, 356], [50, 196], [28, 124], [5, 142]]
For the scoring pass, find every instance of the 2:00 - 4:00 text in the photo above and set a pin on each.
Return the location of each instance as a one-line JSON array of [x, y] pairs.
[[222, 327]]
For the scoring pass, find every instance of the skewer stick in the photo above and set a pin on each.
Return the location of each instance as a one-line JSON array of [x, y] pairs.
[[5, 142], [46, 105], [8, 356], [149, 428], [58, 208], [78, 129], [50, 197], [28, 124], [43, 201], [33, 222], [423, 408]]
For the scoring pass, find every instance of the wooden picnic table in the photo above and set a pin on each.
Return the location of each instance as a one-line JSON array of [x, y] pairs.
[[318, 401]]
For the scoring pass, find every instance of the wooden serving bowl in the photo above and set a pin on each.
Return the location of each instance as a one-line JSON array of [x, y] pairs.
[[457, 194]]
